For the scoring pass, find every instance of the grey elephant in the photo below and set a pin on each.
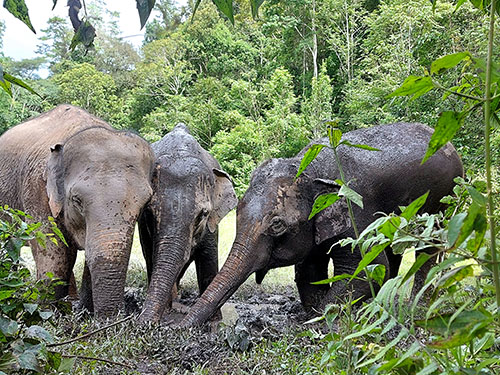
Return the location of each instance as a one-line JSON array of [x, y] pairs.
[[273, 229], [94, 181], [191, 194]]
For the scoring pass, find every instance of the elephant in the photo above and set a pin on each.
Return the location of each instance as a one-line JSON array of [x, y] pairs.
[[273, 229], [94, 181], [191, 194]]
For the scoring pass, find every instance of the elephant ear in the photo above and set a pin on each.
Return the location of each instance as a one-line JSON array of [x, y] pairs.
[[333, 220], [224, 198], [55, 181]]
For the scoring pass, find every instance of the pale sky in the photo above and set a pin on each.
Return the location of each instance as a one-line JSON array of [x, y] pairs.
[[19, 42]]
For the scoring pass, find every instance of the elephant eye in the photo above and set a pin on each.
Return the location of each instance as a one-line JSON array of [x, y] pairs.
[[201, 216], [77, 202], [277, 226]]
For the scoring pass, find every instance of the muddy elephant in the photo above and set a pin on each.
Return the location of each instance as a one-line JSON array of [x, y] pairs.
[[273, 229], [94, 181], [191, 194]]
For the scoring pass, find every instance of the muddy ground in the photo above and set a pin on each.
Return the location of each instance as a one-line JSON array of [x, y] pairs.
[[250, 316]]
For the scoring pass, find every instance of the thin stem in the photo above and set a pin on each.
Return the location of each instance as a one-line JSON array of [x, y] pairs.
[[90, 333], [86, 358], [351, 216], [487, 129], [460, 94]]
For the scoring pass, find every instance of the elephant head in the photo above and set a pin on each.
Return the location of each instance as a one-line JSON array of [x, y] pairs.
[[97, 184], [191, 195], [273, 230]]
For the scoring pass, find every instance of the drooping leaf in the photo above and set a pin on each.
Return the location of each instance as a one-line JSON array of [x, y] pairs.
[[19, 10], [455, 275], [357, 145], [412, 209], [414, 85], [477, 197], [309, 156], [255, 4], [323, 201], [226, 7], [145, 7], [5, 85], [448, 124], [334, 135], [55, 3], [20, 83], [448, 61], [454, 227], [332, 279], [85, 35], [350, 194]]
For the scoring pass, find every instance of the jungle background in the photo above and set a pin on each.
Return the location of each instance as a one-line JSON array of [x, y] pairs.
[[257, 89]]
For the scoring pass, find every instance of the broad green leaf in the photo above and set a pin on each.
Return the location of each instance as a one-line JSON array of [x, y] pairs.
[[448, 61], [39, 333], [412, 209], [356, 145], [448, 124], [20, 83], [5, 85], [27, 359], [369, 257], [465, 326], [8, 327], [67, 364], [454, 227], [413, 85], [390, 227], [350, 194], [46, 314], [419, 262], [376, 273], [85, 35], [309, 156], [30, 307], [4, 294], [322, 202], [145, 7], [455, 276], [477, 197], [226, 7], [19, 10], [255, 7]]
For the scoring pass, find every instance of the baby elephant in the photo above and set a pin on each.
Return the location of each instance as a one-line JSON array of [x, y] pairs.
[[191, 194], [273, 229]]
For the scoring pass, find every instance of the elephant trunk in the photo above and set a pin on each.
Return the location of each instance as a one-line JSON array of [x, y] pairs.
[[107, 255], [169, 260], [238, 266]]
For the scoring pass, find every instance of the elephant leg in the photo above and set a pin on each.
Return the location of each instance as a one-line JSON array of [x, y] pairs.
[[346, 261], [57, 260], [86, 300], [313, 268]]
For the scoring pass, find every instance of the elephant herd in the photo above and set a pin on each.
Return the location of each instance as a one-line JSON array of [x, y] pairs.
[[97, 183]]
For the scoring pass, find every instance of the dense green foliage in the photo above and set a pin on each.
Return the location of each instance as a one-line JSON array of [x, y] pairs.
[[261, 88], [25, 305]]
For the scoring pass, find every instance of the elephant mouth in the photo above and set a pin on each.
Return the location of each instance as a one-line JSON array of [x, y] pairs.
[[260, 274]]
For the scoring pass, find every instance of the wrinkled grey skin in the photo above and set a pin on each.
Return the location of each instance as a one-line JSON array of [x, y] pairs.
[[94, 181], [191, 194], [273, 229]]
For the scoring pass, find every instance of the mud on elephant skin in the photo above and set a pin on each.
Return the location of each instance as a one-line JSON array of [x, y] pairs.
[[273, 229], [94, 181], [191, 194]]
